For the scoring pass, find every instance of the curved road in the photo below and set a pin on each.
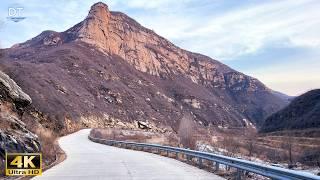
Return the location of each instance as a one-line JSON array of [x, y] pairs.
[[89, 160]]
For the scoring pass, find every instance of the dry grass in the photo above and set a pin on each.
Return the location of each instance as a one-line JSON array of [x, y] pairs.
[[47, 140], [49, 150], [186, 135], [135, 136], [311, 157]]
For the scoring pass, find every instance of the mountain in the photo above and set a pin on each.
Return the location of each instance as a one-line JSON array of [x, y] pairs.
[[302, 113], [108, 70]]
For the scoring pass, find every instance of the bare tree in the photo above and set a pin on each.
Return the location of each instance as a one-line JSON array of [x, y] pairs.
[[231, 145], [1, 51], [250, 146], [287, 144], [186, 131], [251, 139]]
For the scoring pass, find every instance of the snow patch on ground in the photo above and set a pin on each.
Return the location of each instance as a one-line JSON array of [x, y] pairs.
[[205, 147]]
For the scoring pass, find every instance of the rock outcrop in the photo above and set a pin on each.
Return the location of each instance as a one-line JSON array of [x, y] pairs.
[[13, 91], [14, 135]]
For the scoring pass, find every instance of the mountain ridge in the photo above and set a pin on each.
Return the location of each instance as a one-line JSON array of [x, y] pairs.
[[169, 79], [207, 69], [301, 113]]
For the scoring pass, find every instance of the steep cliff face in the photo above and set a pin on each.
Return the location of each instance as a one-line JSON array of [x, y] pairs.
[[302, 113], [110, 66], [116, 33], [14, 135]]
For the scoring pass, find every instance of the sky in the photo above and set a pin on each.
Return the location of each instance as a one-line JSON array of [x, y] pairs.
[[277, 42]]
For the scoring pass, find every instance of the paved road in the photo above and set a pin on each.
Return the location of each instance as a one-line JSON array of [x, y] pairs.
[[89, 160]]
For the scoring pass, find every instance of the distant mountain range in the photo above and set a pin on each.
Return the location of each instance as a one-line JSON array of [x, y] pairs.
[[108, 70], [302, 113]]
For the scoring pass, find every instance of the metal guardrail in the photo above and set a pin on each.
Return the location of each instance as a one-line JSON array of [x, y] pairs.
[[240, 164]]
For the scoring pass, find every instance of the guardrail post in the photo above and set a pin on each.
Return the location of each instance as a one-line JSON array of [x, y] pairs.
[[200, 162], [239, 172], [217, 166], [177, 155], [167, 153], [188, 158]]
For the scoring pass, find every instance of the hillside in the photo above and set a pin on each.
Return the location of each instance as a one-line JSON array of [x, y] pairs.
[[302, 113], [15, 135], [108, 71]]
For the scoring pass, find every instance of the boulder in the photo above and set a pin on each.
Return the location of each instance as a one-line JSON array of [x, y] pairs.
[[143, 125], [13, 90]]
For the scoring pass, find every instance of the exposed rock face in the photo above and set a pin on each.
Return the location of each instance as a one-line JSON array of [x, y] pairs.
[[302, 113], [24, 142], [95, 29], [116, 33], [13, 90], [110, 64], [14, 136]]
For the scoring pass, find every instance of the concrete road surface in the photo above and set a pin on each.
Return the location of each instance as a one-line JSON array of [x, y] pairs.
[[89, 160]]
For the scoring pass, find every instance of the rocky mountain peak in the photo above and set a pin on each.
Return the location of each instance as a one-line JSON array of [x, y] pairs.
[[114, 33], [94, 28], [100, 12]]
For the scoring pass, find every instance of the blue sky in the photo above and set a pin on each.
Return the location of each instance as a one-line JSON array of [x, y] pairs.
[[277, 42]]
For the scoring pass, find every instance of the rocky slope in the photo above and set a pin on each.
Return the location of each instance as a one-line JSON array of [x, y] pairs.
[[14, 134], [302, 113], [109, 70]]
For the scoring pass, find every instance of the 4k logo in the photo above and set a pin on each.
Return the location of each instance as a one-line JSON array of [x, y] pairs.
[[18, 164]]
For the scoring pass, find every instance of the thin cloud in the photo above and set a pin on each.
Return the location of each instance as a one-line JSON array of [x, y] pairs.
[[242, 31]]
